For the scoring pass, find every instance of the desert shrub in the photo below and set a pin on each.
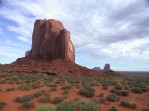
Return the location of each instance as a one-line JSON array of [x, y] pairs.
[[105, 87], [124, 103], [2, 105], [45, 99], [65, 95], [113, 97], [12, 80], [35, 85], [46, 108], [94, 84], [88, 92], [78, 105], [66, 87], [102, 100], [66, 91], [136, 90], [1, 90], [145, 109], [27, 105], [129, 105], [118, 87], [132, 105], [4, 81], [39, 93], [49, 90], [10, 89], [25, 98], [23, 87], [57, 100], [126, 87], [101, 95], [145, 89], [52, 85], [53, 89], [113, 109], [118, 92], [125, 93], [57, 82]]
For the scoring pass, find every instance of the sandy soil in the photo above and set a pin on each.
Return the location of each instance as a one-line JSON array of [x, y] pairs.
[[8, 97]]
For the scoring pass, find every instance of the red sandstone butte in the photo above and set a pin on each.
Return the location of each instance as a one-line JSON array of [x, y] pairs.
[[50, 41]]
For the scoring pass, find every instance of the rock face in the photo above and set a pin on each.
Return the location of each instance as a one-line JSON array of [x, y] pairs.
[[50, 41], [107, 67], [97, 69]]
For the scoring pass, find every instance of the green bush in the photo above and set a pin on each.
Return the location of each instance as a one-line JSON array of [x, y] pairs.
[[124, 103], [65, 95], [1, 90], [39, 93], [101, 95], [4, 81], [125, 93], [66, 87], [102, 100], [45, 99], [25, 98], [10, 89], [136, 90], [118, 87], [129, 105], [132, 105], [53, 89], [36, 85], [78, 105], [2, 105], [27, 106], [145, 89], [113, 109], [105, 87], [23, 87], [118, 92], [46, 108], [57, 100], [52, 85], [113, 97], [88, 92]]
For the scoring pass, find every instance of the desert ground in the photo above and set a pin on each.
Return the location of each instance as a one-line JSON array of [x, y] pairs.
[[36, 92]]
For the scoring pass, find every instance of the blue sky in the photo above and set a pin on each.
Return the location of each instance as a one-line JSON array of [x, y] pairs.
[[103, 31]]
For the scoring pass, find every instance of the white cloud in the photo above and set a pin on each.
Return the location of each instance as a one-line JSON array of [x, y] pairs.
[[1, 31], [9, 52], [128, 48]]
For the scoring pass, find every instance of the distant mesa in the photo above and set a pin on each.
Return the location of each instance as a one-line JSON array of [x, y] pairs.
[[50, 41], [97, 69], [107, 68]]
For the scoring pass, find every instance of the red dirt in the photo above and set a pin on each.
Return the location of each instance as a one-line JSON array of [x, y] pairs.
[[56, 67], [8, 97]]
